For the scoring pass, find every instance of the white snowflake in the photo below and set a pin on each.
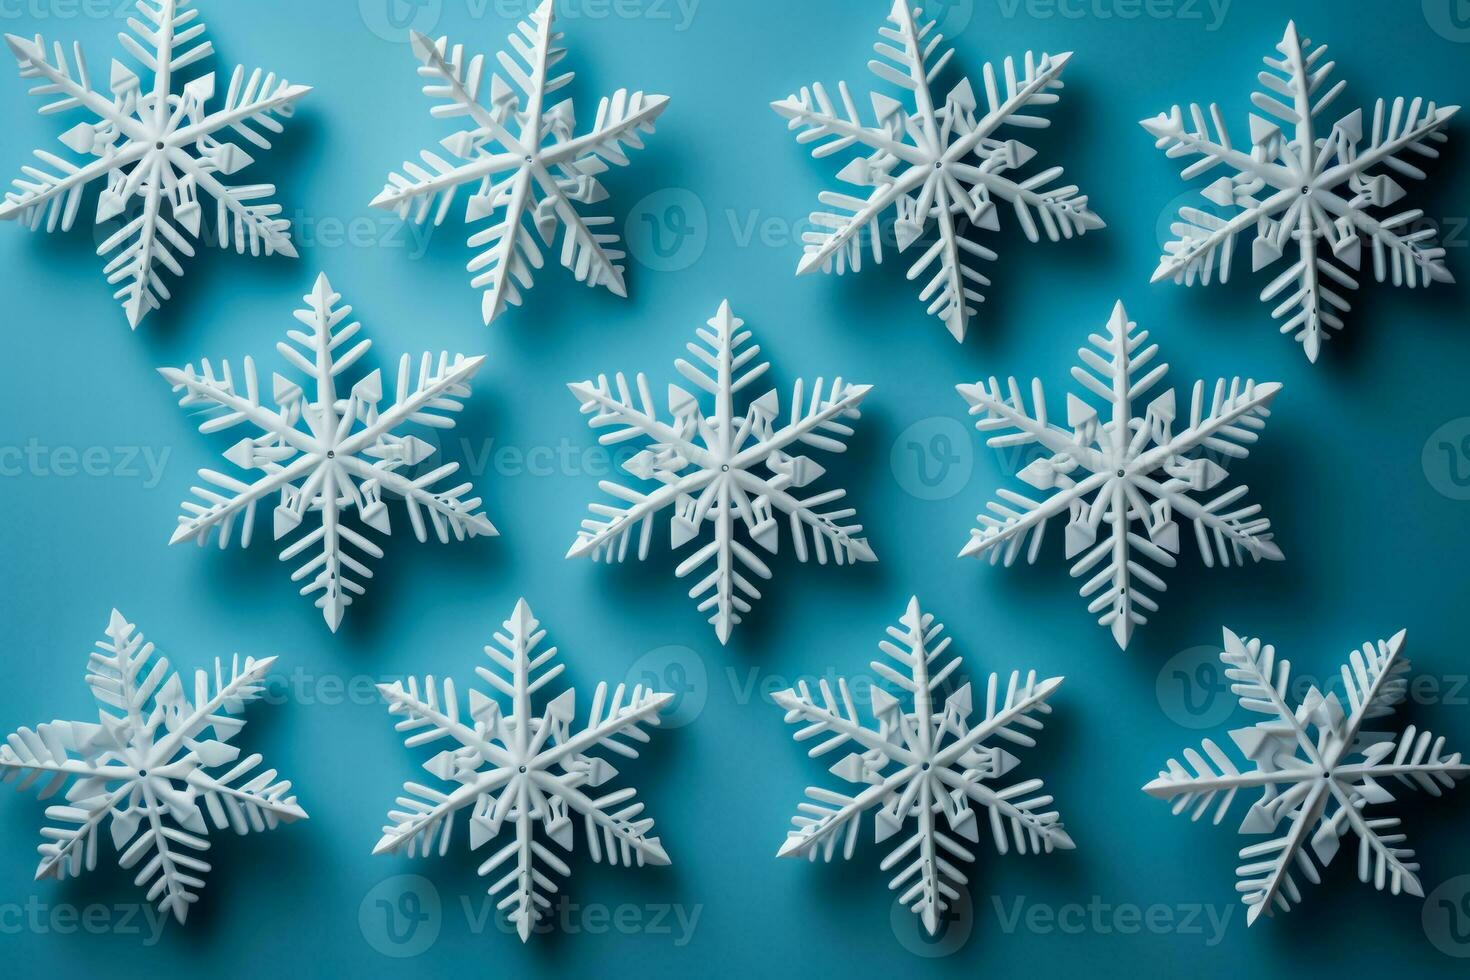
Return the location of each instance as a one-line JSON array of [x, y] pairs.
[[525, 768], [147, 771], [1304, 189], [722, 469], [922, 763], [1124, 469], [540, 170], [1318, 772], [937, 165], [158, 152], [328, 454]]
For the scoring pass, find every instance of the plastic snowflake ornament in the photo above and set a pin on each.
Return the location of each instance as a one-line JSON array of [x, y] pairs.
[[157, 769], [1130, 477], [723, 470], [938, 166], [158, 152], [323, 454], [515, 771], [1306, 188], [528, 169], [934, 765], [1318, 772]]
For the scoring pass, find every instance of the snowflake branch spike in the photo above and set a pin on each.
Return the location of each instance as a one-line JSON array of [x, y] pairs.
[[1299, 185], [1317, 770], [1124, 470], [523, 769], [922, 763], [327, 454], [146, 770], [527, 168], [157, 151], [936, 166], [726, 470]]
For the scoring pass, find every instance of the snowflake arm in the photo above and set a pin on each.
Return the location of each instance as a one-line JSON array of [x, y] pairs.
[[1300, 186], [724, 470], [157, 151], [146, 768], [934, 166], [329, 454], [1110, 473], [525, 768], [921, 764], [1316, 772], [529, 170]]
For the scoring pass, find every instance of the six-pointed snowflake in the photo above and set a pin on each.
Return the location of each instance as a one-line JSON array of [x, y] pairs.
[[326, 454], [937, 166], [1306, 190], [722, 470], [147, 770], [1124, 469], [1318, 772], [526, 164], [158, 151], [927, 764], [524, 768]]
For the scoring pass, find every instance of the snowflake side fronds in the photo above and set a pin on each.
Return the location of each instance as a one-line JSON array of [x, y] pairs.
[[519, 153], [724, 468], [1113, 469]]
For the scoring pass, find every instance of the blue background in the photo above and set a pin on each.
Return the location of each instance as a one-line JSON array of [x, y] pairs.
[[1372, 546]]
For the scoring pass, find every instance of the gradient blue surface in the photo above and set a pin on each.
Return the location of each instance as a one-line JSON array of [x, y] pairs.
[[1372, 545]]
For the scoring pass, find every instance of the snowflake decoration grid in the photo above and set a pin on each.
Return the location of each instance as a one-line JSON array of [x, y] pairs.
[[524, 768], [709, 470], [937, 166], [1304, 190], [541, 172], [148, 772], [1312, 790], [329, 454], [158, 152], [1124, 470], [923, 763]]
